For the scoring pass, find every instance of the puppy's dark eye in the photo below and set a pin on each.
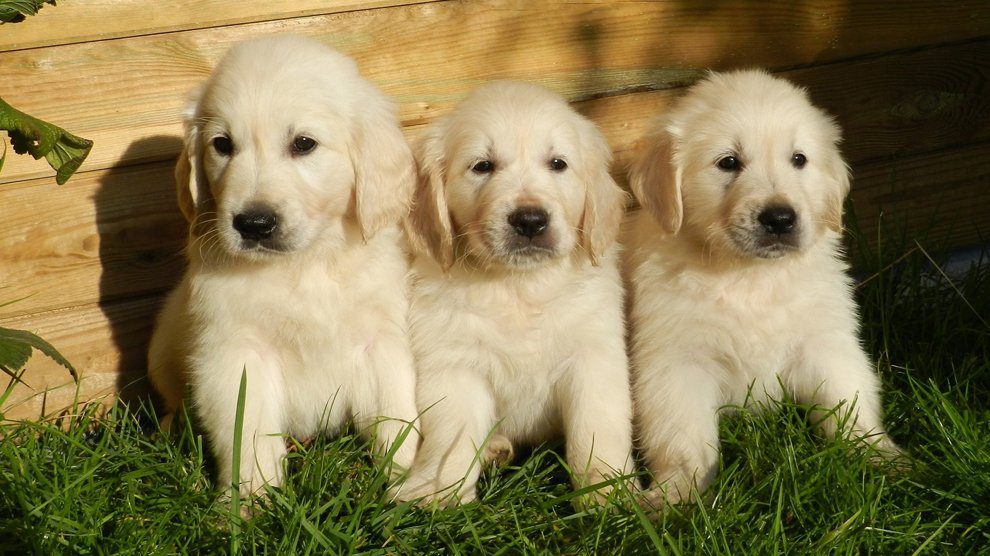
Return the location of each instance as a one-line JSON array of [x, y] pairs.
[[483, 167], [729, 163], [558, 165], [799, 160], [223, 145], [303, 144]]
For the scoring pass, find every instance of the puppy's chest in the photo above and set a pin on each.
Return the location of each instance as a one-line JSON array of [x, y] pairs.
[[530, 326], [524, 331], [753, 325], [304, 310]]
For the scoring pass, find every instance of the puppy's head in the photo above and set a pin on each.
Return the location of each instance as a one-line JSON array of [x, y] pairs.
[[744, 165], [284, 142], [514, 177]]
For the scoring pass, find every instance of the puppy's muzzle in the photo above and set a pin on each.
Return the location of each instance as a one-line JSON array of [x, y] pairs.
[[775, 231], [529, 222], [256, 224], [778, 220]]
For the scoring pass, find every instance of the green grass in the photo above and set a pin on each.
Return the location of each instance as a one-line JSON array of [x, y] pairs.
[[92, 484]]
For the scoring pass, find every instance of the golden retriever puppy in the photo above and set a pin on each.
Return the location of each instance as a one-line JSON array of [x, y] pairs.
[[736, 278], [295, 177], [516, 316]]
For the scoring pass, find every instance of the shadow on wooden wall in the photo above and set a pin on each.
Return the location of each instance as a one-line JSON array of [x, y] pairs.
[[908, 83], [139, 253]]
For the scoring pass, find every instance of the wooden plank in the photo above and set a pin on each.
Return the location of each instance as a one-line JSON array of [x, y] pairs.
[[92, 20], [906, 104], [104, 236], [107, 342], [107, 345], [888, 107], [108, 241], [122, 93], [115, 234], [941, 198]]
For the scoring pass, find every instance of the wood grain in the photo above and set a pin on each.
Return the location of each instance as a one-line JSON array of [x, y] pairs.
[[940, 194], [115, 234], [906, 104], [909, 86], [124, 92], [107, 345], [106, 235], [95, 20], [941, 198]]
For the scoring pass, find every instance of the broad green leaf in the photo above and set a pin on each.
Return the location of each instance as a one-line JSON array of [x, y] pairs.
[[67, 155], [15, 349], [64, 151], [14, 11], [14, 355]]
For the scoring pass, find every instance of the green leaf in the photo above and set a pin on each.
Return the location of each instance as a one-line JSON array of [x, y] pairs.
[[64, 151], [14, 11], [14, 355], [15, 350]]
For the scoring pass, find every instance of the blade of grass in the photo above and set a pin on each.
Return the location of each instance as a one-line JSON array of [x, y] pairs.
[[235, 471], [952, 284]]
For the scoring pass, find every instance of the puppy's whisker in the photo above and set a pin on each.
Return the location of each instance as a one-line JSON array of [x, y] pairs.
[[579, 245], [472, 227], [212, 243], [824, 221], [467, 254], [200, 120], [203, 242], [461, 235], [708, 252]]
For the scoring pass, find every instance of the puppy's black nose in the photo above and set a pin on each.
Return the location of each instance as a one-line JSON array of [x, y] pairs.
[[778, 220], [255, 224], [529, 221]]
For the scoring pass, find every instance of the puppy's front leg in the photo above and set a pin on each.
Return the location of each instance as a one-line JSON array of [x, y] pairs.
[[677, 401], [215, 390], [835, 370], [167, 352], [596, 409], [390, 410], [458, 413]]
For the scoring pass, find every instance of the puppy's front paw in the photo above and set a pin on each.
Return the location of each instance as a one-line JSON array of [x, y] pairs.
[[886, 454], [248, 504], [654, 501], [498, 451], [426, 493], [659, 499], [676, 488], [610, 489], [167, 422]]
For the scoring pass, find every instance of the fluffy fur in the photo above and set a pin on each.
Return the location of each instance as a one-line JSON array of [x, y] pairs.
[[736, 279], [315, 309], [517, 338]]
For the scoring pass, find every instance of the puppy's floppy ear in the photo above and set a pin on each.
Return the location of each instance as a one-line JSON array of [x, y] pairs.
[[838, 173], [190, 183], [604, 200], [383, 165], [428, 225], [655, 179]]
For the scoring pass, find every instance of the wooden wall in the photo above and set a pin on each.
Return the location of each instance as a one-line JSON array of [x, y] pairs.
[[907, 80]]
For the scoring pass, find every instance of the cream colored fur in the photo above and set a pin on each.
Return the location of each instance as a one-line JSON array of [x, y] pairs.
[[318, 320], [509, 346], [719, 311]]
